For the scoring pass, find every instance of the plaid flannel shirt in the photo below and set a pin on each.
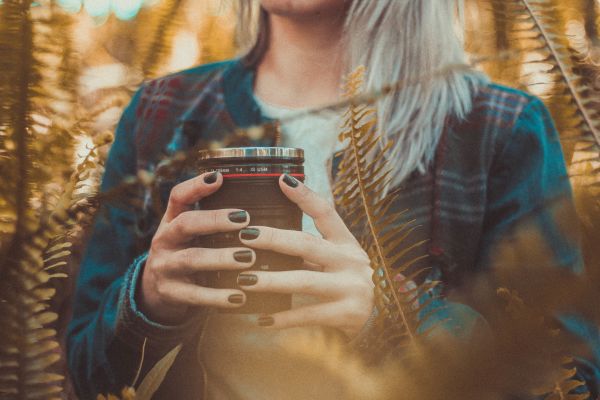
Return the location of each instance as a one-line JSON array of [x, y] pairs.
[[499, 166]]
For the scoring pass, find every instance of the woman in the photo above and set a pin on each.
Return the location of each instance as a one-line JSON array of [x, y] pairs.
[[471, 157]]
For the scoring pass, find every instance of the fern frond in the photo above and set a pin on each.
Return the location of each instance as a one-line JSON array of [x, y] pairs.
[[536, 29], [564, 389], [37, 146], [161, 37], [359, 191]]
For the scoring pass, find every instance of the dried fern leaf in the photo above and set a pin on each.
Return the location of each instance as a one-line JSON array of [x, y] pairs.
[[161, 37], [536, 28], [155, 377], [359, 191]]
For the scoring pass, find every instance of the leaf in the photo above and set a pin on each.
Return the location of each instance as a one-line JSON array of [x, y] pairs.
[[363, 175], [537, 27], [155, 377]]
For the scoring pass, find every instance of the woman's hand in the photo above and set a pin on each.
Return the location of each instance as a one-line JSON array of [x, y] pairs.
[[338, 270], [168, 286]]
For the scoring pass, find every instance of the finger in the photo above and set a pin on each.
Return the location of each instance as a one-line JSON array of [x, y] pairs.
[[188, 294], [324, 285], [301, 244], [192, 260], [184, 195], [312, 266], [190, 224], [326, 218], [322, 314]]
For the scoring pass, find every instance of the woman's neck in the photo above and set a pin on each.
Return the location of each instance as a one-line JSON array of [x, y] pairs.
[[304, 62]]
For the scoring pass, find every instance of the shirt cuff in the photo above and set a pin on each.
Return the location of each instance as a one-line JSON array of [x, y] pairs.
[[134, 327]]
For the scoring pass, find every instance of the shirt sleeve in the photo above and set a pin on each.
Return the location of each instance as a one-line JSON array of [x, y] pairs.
[[530, 191], [107, 330]]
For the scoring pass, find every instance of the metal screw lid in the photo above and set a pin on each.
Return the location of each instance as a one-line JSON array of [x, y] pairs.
[[253, 153]]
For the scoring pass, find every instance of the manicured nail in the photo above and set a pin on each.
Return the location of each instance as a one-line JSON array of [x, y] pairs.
[[290, 181], [249, 233], [247, 279], [244, 256], [265, 320], [236, 299], [211, 178], [238, 217]]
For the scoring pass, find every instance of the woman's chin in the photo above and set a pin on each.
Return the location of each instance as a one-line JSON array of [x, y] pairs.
[[304, 8]]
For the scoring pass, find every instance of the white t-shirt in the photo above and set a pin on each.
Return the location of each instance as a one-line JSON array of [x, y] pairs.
[[318, 136], [247, 362]]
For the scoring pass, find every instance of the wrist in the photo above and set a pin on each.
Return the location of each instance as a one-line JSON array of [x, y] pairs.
[[150, 304]]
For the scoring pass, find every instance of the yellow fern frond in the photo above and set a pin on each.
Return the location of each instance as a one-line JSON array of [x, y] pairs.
[[359, 192]]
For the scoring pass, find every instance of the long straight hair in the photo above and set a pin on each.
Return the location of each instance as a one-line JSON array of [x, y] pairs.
[[398, 40]]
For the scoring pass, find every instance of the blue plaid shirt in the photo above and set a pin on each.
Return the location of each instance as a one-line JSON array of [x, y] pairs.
[[501, 165]]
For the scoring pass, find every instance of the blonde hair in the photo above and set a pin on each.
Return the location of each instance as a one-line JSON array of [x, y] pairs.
[[400, 40]]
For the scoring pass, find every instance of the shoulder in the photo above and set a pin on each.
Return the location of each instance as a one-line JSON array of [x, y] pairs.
[[190, 80], [200, 72], [162, 106], [501, 118], [500, 106]]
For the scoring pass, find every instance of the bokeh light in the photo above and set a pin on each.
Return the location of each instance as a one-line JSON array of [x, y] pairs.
[[126, 9], [123, 9], [73, 6], [97, 8], [185, 51]]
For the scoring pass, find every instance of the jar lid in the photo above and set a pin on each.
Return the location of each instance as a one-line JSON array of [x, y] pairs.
[[273, 153]]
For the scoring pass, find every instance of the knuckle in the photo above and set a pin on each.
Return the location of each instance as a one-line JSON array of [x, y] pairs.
[[159, 266], [303, 281], [178, 226], [177, 194], [211, 221], [356, 310], [312, 240], [268, 235], [157, 240], [304, 193], [201, 297], [222, 258], [186, 257], [163, 291], [360, 287], [328, 210]]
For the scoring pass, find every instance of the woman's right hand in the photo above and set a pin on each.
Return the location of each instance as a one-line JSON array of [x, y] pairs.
[[168, 287]]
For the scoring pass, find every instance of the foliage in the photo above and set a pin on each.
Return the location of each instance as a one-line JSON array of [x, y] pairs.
[[49, 197], [151, 382], [158, 48], [360, 191], [550, 65]]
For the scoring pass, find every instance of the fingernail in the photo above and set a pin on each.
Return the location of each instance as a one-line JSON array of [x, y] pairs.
[[244, 256], [265, 320], [238, 217], [211, 178], [249, 233], [290, 181], [247, 279], [236, 299]]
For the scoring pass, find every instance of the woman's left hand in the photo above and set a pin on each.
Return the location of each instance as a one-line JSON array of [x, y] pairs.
[[338, 271]]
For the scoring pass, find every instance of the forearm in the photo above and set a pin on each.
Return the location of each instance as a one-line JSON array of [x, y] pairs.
[[105, 346]]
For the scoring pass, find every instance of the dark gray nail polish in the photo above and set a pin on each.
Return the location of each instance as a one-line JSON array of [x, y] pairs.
[[265, 320], [238, 217], [211, 178], [249, 233], [244, 256], [290, 181], [247, 279], [236, 299]]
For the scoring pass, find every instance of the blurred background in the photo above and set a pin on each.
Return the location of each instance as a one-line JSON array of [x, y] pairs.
[[68, 67]]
